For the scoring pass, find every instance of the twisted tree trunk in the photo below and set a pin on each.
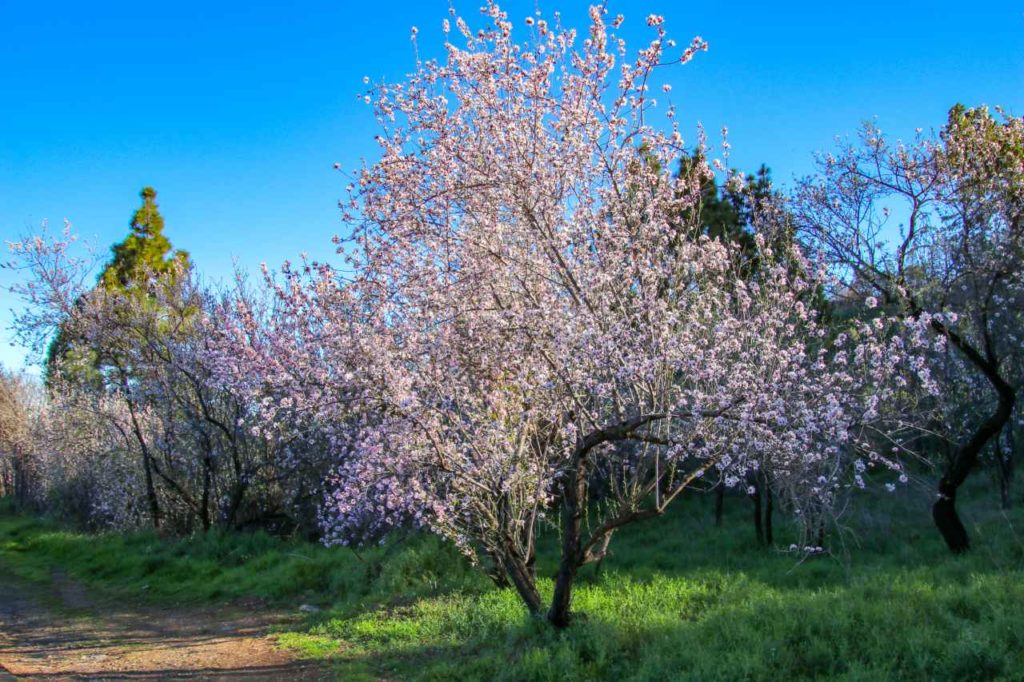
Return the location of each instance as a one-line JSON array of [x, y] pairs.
[[959, 466]]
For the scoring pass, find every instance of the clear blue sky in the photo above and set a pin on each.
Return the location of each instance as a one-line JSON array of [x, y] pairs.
[[236, 112]]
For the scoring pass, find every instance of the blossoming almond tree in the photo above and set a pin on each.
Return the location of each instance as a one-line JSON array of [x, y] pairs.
[[19, 402], [524, 307], [528, 310], [154, 403], [960, 252]]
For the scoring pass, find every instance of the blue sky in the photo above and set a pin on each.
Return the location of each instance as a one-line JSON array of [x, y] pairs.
[[236, 112]]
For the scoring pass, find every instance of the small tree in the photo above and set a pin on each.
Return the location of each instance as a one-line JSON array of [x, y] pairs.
[[18, 402], [955, 264], [144, 255], [156, 405], [733, 211]]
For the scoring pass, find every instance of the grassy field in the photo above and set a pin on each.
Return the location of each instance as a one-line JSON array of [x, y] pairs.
[[677, 599]]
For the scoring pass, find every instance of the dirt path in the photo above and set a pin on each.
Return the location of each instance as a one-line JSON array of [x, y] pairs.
[[61, 633]]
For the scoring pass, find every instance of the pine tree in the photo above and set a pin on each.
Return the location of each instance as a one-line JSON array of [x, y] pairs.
[[145, 253], [142, 261]]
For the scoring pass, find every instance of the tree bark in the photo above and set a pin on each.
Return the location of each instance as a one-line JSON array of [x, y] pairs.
[[947, 520], [205, 503], [147, 459], [719, 503], [523, 579], [758, 525], [966, 455], [1004, 466], [496, 571], [572, 524], [147, 467], [965, 458], [20, 481]]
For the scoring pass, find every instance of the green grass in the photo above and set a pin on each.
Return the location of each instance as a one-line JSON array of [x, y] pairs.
[[220, 567], [677, 599]]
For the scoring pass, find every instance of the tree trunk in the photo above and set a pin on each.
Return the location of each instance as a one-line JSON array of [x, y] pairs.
[[522, 578], [238, 491], [147, 459], [205, 503], [154, 503], [6, 484], [965, 456], [1004, 466], [531, 563], [769, 509], [572, 523], [719, 503], [240, 486], [20, 481], [755, 497], [496, 571], [964, 459], [947, 520]]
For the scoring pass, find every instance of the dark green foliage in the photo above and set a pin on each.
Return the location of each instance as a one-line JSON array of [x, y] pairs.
[[736, 210], [75, 361], [730, 211]]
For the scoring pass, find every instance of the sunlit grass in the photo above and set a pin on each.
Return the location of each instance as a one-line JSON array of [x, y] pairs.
[[677, 598]]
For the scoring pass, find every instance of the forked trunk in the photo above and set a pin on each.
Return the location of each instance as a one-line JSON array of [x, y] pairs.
[[965, 457]]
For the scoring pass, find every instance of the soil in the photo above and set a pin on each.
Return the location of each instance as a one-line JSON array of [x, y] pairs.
[[61, 632]]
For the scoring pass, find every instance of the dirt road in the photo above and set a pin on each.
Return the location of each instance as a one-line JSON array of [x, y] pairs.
[[62, 633]]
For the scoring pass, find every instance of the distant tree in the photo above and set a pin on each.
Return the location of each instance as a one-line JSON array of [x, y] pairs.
[[732, 212], [955, 264], [158, 440], [145, 253], [141, 265], [728, 210], [17, 399]]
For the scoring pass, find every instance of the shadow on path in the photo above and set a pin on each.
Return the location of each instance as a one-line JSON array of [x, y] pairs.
[[58, 632]]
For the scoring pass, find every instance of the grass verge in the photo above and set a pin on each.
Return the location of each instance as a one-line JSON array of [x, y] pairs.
[[677, 599]]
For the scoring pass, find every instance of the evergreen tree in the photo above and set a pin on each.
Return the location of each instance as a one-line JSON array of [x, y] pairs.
[[729, 211], [143, 261], [145, 253]]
